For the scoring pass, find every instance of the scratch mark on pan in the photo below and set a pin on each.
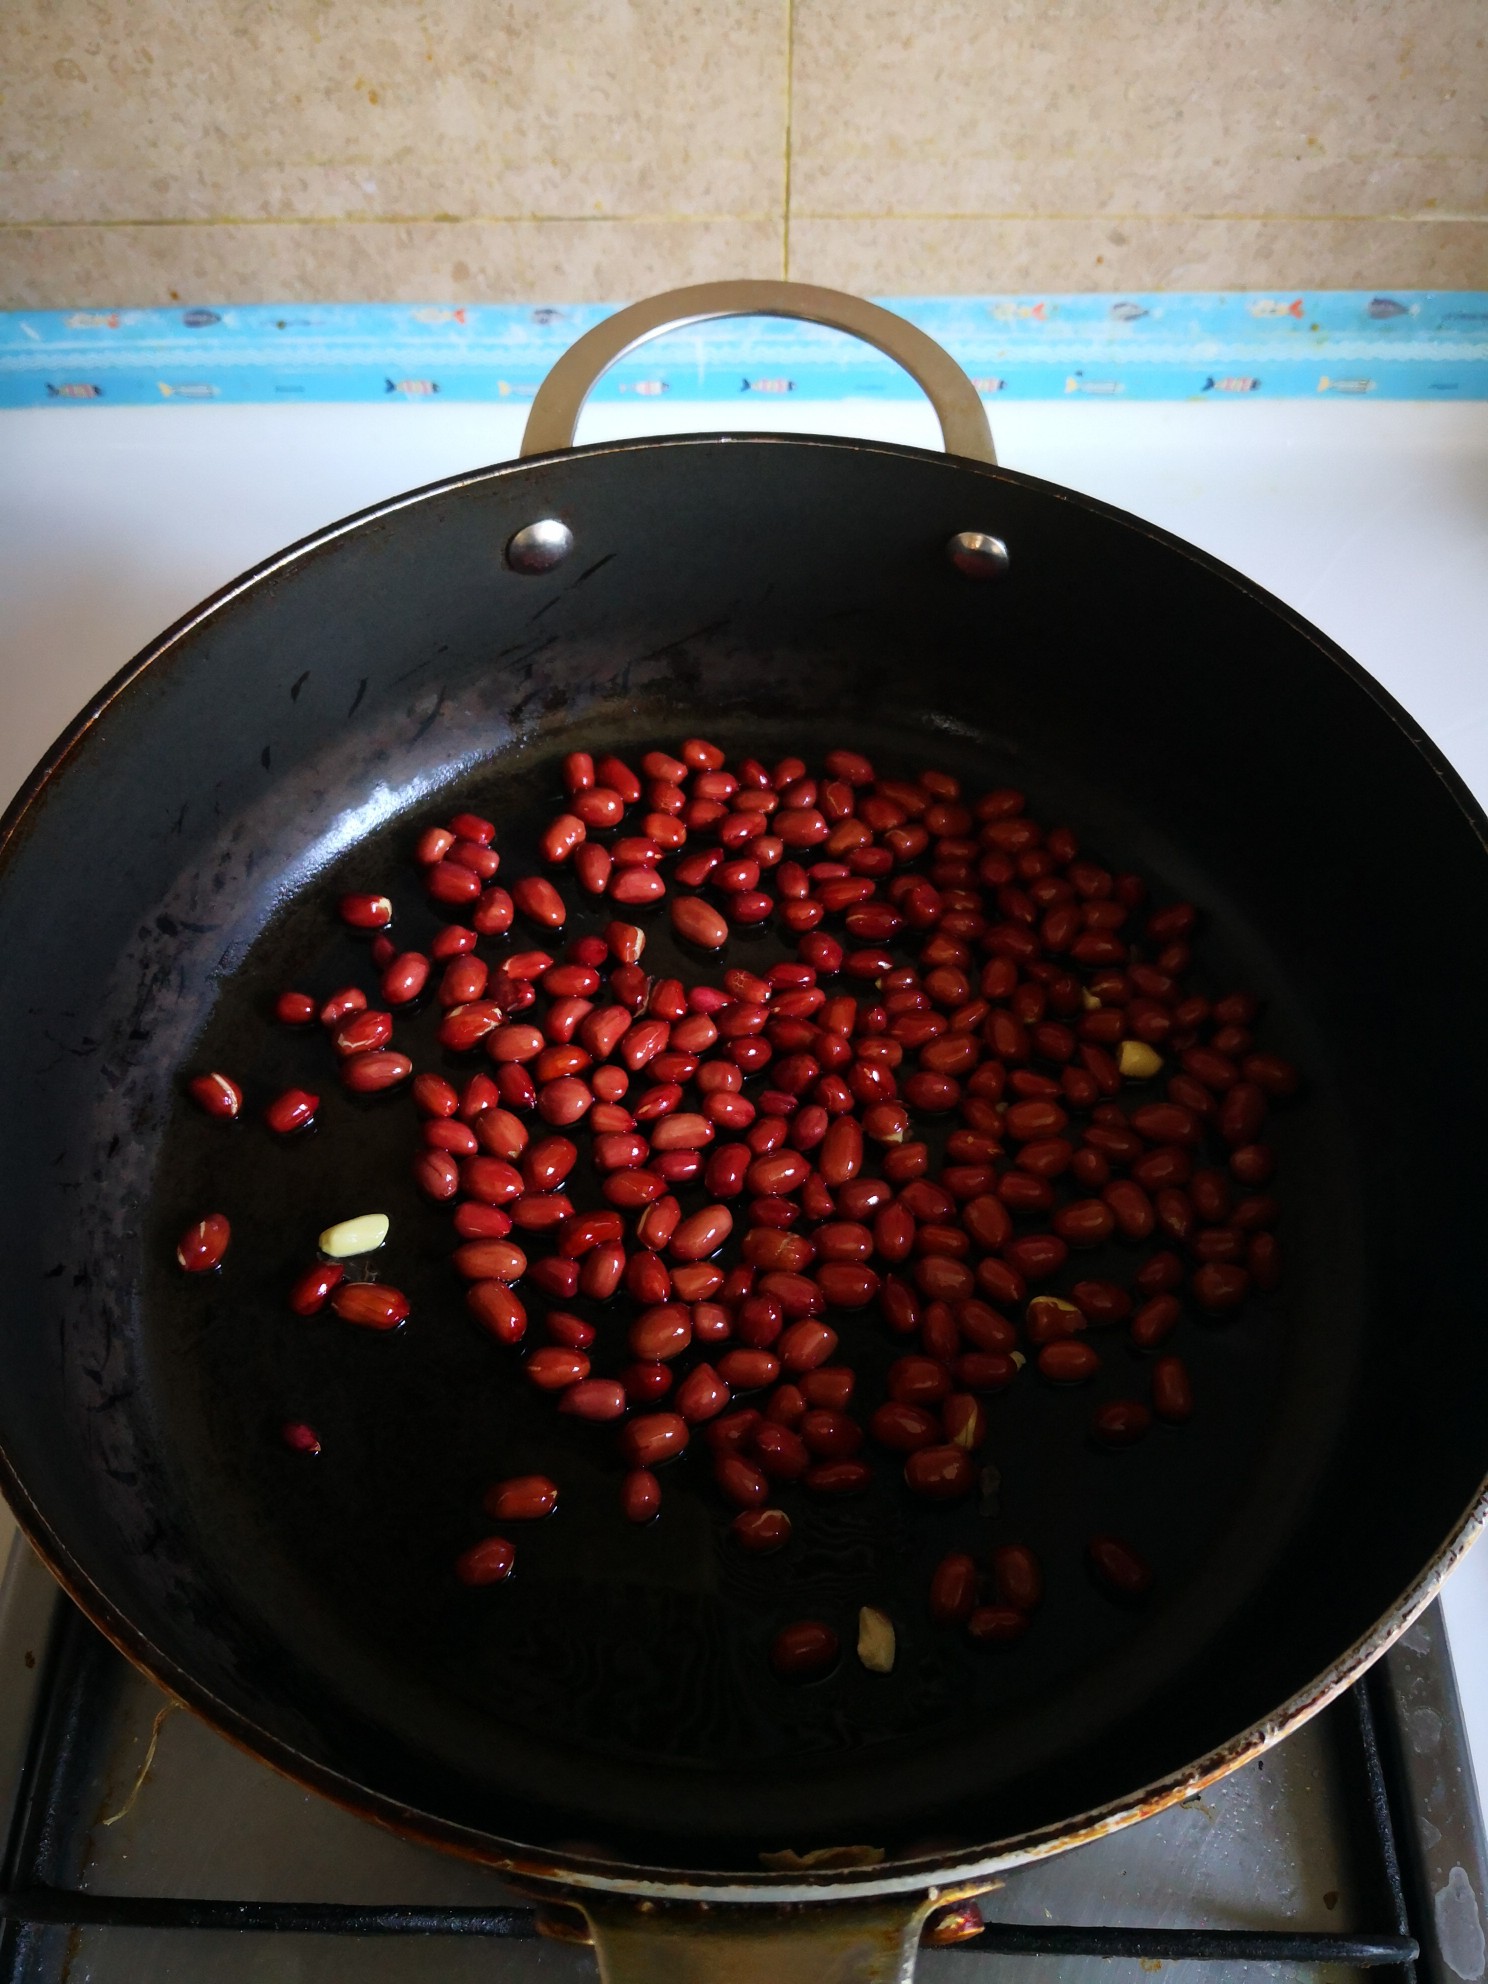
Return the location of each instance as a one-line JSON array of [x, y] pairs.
[[681, 640], [546, 607], [296, 686], [544, 698], [356, 701], [431, 719], [82, 1051], [527, 649], [598, 566]]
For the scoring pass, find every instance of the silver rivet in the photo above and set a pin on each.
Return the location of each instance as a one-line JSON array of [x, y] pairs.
[[977, 555], [539, 547]]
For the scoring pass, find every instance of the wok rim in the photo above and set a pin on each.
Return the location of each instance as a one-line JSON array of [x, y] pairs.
[[964, 1868]]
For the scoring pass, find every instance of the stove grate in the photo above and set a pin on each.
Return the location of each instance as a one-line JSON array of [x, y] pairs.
[[29, 1901]]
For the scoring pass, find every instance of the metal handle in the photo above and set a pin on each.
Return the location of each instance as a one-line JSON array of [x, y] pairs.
[[866, 1942], [560, 398]]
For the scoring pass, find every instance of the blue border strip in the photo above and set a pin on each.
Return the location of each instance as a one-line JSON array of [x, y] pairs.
[[1405, 345]]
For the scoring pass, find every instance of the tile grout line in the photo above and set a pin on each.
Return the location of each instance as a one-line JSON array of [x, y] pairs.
[[1033, 218], [640, 219], [790, 66], [1137, 216]]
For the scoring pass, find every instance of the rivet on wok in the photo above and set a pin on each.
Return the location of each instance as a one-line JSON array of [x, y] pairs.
[[540, 546], [977, 555]]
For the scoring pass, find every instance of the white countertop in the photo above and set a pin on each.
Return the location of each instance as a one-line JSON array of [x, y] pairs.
[[1370, 519]]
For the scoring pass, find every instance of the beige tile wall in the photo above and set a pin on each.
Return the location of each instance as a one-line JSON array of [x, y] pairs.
[[266, 150]]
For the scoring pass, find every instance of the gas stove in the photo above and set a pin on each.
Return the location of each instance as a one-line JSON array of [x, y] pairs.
[[145, 1849], [141, 1846]]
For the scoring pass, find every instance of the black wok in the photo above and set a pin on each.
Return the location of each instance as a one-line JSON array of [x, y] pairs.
[[604, 1725]]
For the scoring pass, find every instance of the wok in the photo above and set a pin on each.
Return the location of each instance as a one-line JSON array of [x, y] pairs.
[[604, 1728]]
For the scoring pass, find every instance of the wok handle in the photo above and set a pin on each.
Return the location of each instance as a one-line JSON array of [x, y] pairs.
[[555, 411], [861, 1942]]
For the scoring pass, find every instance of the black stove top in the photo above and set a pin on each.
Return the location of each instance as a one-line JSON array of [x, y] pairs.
[[144, 1849]]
